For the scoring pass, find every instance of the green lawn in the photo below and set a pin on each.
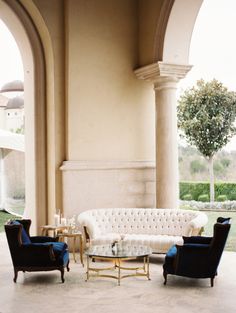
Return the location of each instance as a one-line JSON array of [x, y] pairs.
[[4, 217], [212, 216]]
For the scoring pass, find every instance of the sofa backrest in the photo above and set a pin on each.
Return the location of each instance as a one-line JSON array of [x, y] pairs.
[[141, 221]]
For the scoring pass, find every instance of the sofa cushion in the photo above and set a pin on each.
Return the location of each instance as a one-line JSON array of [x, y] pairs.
[[106, 239], [24, 236], [160, 243]]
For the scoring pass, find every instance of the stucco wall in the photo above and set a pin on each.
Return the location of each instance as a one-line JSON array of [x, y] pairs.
[[110, 112]]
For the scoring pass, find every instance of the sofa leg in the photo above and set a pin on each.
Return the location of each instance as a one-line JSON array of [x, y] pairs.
[[62, 275], [15, 275], [165, 277]]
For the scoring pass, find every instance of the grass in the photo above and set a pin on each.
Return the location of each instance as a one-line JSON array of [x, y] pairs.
[[4, 217], [208, 229]]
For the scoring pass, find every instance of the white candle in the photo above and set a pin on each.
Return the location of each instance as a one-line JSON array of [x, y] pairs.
[[63, 221], [56, 219]]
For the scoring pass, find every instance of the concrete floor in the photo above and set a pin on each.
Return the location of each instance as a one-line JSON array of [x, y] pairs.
[[43, 292]]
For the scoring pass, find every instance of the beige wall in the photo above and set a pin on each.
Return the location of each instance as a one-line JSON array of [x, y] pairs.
[[110, 112]]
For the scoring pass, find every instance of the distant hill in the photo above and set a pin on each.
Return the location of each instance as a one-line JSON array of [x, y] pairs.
[[194, 167]]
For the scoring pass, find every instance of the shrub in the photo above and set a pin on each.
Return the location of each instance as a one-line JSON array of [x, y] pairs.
[[222, 198], [196, 166], [195, 189], [187, 197], [204, 198], [225, 162], [232, 196]]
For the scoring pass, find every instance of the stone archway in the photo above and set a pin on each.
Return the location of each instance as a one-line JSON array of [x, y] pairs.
[[29, 43], [170, 55]]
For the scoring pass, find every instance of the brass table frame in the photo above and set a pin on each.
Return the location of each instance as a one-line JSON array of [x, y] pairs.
[[117, 265], [74, 236]]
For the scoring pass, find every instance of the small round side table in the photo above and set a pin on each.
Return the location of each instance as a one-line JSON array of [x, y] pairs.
[[74, 235]]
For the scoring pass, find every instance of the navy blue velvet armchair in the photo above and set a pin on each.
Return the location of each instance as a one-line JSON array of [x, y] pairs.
[[38, 253], [199, 257]]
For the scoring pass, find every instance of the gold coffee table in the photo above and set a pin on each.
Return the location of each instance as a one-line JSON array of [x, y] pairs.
[[123, 252]]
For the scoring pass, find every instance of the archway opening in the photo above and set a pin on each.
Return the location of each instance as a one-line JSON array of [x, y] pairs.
[[12, 126], [25, 34]]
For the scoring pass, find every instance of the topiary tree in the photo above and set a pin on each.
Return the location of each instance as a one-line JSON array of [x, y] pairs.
[[206, 115]]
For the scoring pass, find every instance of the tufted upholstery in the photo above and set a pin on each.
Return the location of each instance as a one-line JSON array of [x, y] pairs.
[[158, 228]]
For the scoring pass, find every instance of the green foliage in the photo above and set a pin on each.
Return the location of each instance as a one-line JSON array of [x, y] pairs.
[[228, 189], [222, 198], [204, 198], [196, 166], [225, 162], [206, 114], [195, 189], [218, 167], [188, 197]]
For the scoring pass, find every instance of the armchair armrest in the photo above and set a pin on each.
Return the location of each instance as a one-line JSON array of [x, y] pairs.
[[192, 259], [43, 239], [197, 240], [36, 255]]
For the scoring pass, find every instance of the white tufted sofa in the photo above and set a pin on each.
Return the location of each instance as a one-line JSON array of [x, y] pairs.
[[157, 228]]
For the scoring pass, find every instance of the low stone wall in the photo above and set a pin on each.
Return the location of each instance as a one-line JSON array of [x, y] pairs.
[[209, 206], [97, 184]]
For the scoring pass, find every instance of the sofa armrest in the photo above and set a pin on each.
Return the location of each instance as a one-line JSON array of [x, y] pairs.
[[198, 222], [89, 222]]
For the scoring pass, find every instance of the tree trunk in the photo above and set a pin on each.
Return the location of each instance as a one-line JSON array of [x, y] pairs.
[[211, 172]]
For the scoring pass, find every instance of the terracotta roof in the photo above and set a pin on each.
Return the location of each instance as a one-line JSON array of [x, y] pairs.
[[15, 103], [15, 85]]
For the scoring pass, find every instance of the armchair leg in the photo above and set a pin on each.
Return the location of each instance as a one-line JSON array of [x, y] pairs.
[[212, 281], [67, 266], [165, 277], [15, 275], [62, 275]]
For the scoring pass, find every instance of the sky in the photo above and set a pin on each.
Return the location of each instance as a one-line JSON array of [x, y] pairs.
[[11, 67], [212, 51], [213, 44]]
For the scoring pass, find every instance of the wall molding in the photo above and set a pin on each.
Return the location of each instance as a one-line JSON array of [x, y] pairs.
[[105, 165]]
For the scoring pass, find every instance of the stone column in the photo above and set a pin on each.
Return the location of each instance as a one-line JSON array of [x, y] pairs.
[[165, 78]]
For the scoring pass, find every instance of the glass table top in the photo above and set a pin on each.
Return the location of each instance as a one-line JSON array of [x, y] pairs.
[[121, 250]]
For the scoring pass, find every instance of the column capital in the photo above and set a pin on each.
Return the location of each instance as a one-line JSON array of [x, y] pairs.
[[153, 72]]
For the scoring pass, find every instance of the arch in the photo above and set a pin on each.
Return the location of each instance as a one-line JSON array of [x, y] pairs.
[[178, 31], [20, 24]]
